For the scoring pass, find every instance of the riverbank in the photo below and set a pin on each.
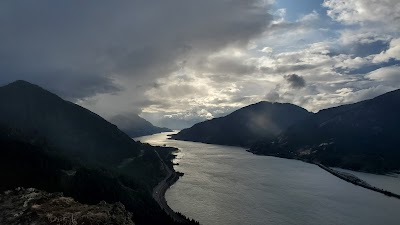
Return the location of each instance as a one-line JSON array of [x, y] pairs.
[[284, 156], [162, 187], [342, 175], [357, 181]]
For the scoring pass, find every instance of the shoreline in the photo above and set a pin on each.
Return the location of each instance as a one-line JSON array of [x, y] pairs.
[[341, 175], [247, 149], [344, 176], [162, 187], [387, 173], [357, 181]]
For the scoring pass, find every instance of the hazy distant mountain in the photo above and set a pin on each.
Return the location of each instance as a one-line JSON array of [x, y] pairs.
[[65, 126], [136, 126], [243, 127], [360, 136]]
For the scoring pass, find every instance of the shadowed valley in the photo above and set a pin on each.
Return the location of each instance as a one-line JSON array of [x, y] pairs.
[[57, 146]]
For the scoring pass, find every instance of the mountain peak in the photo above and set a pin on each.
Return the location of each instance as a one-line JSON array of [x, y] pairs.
[[136, 126], [25, 85], [67, 126], [21, 90], [20, 83], [266, 105], [259, 121], [358, 136], [274, 103]]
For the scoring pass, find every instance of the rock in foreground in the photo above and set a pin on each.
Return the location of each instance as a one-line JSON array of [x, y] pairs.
[[31, 206]]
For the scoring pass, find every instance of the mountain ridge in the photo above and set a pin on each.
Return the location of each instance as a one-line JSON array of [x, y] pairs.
[[262, 120], [359, 136], [57, 146], [136, 126], [65, 125]]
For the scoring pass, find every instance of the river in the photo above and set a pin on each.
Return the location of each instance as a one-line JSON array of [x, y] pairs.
[[227, 185]]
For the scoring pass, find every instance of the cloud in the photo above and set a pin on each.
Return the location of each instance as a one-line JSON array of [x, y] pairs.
[[180, 62], [267, 50], [188, 118], [226, 63], [389, 75], [384, 13], [285, 68], [273, 95], [295, 81], [362, 36], [309, 18], [393, 52], [84, 49]]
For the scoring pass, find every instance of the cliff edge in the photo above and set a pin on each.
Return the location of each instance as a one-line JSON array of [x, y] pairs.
[[32, 206]]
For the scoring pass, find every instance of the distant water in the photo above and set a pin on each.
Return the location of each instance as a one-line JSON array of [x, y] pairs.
[[227, 185], [390, 182]]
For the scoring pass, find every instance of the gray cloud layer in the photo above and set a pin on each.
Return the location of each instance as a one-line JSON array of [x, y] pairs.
[[82, 48], [178, 62]]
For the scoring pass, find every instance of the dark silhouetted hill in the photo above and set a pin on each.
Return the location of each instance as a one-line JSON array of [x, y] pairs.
[[245, 126], [66, 126], [361, 136], [57, 146]]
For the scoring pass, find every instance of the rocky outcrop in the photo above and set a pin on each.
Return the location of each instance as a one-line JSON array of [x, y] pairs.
[[32, 206]]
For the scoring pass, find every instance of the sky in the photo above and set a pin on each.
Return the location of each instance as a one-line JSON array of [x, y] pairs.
[[179, 62]]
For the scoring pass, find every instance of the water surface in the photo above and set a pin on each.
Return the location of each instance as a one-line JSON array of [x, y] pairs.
[[388, 182], [227, 185]]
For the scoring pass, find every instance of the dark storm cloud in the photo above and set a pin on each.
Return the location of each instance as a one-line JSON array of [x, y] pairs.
[[79, 48], [295, 81]]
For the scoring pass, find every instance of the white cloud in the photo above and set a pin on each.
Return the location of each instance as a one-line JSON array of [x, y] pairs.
[[348, 62], [382, 12], [309, 18], [390, 75], [267, 50], [392, 53], [279, 16], [362, 36], [344, 91]]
